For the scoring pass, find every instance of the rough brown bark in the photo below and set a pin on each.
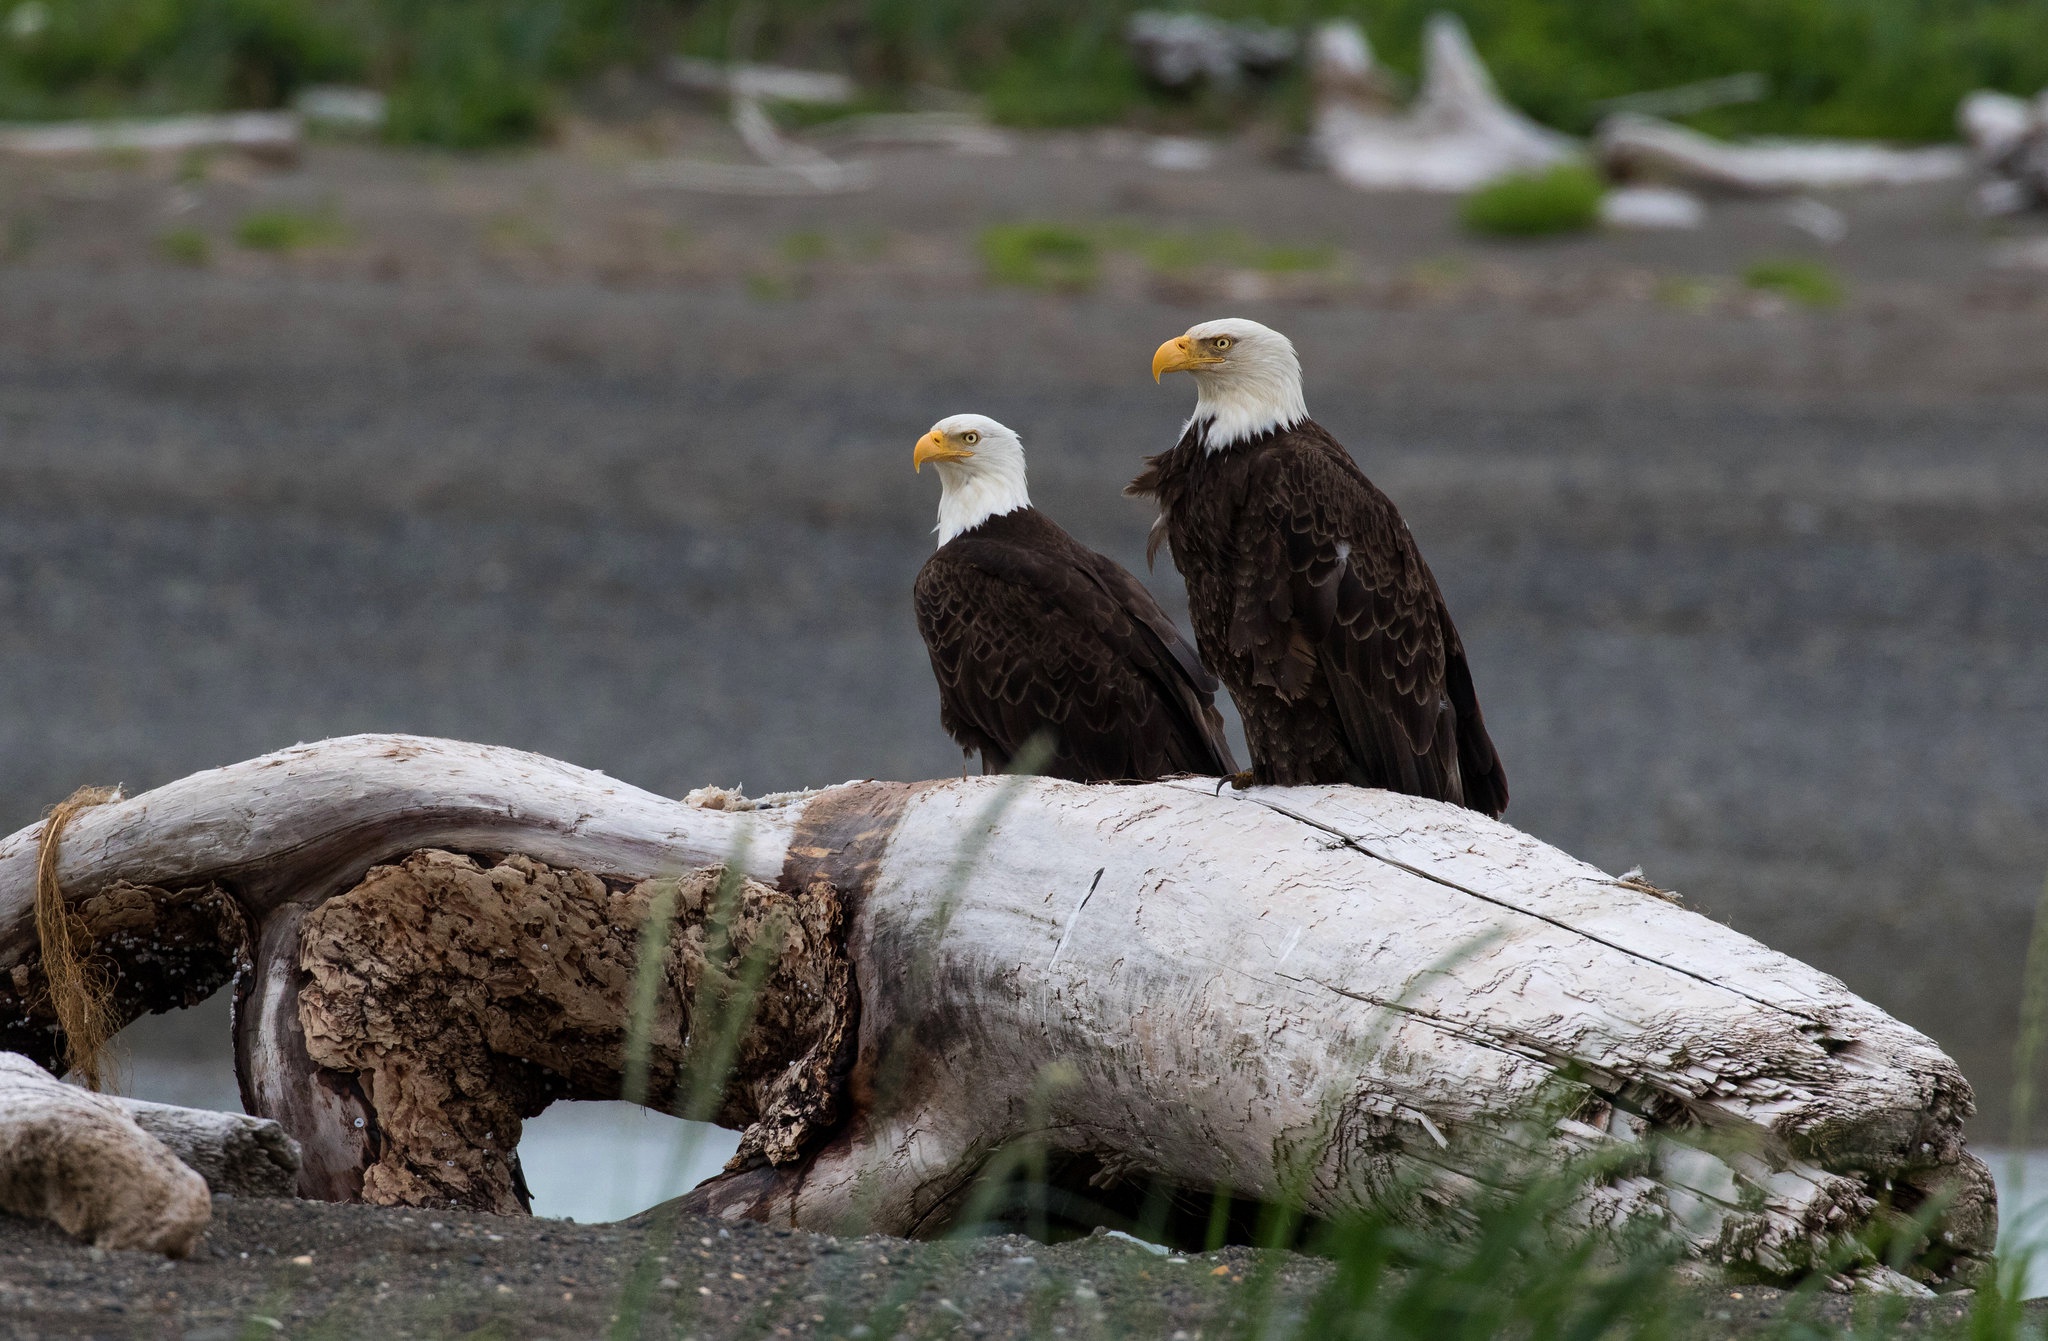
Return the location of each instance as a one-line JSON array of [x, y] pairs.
[[463, 998]]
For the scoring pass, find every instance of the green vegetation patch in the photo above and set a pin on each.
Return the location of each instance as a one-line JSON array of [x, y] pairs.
[[185, 246], [1808, 283], [1564, 199], [468, 73], [478, 74], [289, 230], [805, 246], [1171, 253], [1039, 256], [96, 57], [1032, 90]]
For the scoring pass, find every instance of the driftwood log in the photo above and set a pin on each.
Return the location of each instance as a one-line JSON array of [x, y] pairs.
[[1353, 995], [267, 135], [1632, 147], [1458, 134], [80, 1160], [235, 1153]]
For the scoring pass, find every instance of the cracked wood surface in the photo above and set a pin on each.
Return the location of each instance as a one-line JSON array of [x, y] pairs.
[[1216, 989]]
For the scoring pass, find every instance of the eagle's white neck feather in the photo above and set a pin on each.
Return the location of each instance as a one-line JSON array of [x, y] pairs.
[[986, 484], [1257, 392], [977, 496]]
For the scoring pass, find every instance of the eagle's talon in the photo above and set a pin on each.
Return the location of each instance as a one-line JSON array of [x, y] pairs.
[[1240, 781]]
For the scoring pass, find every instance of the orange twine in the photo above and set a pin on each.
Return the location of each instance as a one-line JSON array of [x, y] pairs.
[[81, 991]]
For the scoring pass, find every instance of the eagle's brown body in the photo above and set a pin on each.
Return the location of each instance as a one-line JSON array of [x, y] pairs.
[[1310, 600], [1032, 632]]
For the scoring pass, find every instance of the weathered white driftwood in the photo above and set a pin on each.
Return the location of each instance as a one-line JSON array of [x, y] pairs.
[[786, 167], [2009, 138], [1632, 147], [273, 135], [1363, 990], [80, 1160], [1458, 134]]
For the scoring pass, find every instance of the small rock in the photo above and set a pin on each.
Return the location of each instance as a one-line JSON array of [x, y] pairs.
[[1651, 207]]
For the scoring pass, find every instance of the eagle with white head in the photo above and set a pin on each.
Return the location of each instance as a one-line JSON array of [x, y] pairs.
[[1308, 595], [1034, 635]]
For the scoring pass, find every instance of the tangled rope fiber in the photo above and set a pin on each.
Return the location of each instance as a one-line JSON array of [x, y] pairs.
[[81, 990]]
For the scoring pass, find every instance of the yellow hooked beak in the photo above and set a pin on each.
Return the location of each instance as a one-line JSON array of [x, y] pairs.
[[1180, 355], [933, 446]]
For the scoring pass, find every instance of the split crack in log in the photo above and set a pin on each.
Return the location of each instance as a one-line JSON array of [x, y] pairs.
[[465, 998]]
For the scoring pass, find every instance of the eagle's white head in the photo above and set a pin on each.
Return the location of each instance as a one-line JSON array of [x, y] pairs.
[[981, 471], [1247, 379]]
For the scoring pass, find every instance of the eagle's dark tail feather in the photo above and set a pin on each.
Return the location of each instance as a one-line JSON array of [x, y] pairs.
[[1479, 767]]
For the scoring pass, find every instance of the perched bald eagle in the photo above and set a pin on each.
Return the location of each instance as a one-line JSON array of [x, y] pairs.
[[1031, 633], [1306, 591]]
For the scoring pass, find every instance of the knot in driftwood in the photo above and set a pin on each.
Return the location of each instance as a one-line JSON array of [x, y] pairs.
[[463, 998]]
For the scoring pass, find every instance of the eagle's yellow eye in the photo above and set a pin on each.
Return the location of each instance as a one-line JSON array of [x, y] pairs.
[[1221, 342], [970, 437]]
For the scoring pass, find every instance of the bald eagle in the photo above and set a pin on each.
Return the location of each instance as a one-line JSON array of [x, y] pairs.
[[1033, 634], [1307, 593]]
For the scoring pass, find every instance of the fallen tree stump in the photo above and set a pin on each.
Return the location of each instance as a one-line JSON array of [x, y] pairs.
[[1349, 995]]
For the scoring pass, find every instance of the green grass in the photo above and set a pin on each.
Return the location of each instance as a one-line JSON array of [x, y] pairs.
[[1039, 256], [1565, 199], [805, 246], [1035, 254], [1808, 283], [283, 230], [1888, 68], [1170, 253], [185, 246], [1687, 293]]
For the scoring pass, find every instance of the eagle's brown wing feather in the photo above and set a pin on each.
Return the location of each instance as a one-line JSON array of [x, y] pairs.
[[1030, 638], [1164, 655], [1335, 599]]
